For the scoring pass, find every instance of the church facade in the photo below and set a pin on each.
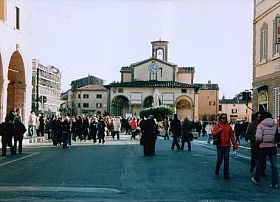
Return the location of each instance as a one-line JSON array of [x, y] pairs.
[[153, 82]]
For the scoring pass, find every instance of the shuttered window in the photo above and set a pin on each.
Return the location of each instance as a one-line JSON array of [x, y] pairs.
[[276, 103]]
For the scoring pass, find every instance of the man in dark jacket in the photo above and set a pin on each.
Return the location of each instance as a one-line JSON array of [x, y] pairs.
[[149, 135], [175, 128], [19, 130], [7, 132], [255, 150]]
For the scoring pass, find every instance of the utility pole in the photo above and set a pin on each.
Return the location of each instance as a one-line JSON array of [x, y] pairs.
[[37, 89]]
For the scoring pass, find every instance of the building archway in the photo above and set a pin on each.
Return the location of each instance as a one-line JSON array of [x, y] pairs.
[[17, 84], [184, 108], [1, 88], [148, 101], [120, 106]]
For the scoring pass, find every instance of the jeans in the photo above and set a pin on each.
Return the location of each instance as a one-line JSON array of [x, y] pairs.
[[31, 130], [223, 155], [271, 152]]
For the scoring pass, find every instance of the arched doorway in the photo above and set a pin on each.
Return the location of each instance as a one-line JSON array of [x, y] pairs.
[[148, 102], [120, 106], [17, 85], [1, 88], [184, 109]]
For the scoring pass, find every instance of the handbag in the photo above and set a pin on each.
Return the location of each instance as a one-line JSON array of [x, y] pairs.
[[217, 139]]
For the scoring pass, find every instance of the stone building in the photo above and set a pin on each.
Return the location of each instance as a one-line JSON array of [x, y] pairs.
[[266, 56], [207, 101], [236, 108], [46, 82], [15, 58], [87, 96], [154, 81]]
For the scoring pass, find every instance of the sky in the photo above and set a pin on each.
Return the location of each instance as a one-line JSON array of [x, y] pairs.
[[98, 37]]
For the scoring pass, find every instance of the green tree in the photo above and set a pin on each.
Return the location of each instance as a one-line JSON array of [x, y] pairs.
[[159, 112]]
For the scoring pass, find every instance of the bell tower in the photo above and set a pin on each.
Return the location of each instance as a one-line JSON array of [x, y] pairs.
[[160, 49]]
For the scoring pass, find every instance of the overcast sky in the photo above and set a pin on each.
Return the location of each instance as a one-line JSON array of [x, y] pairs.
[[98, 37]]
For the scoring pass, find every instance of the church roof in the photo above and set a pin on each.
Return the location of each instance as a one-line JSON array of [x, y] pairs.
[[206, 86], [128, 68], [152, 84]]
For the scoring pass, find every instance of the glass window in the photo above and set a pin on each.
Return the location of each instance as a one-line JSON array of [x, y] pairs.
[[85, 105], [98, 105], [183, 90], [85, 96], [99, 96], [234, 111], [220, 108], [263, 42], [120, 90]]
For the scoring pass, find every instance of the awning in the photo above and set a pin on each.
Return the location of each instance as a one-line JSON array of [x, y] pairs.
[[261, 87]]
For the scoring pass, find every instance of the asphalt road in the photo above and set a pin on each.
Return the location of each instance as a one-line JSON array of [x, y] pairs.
[[118, 171]]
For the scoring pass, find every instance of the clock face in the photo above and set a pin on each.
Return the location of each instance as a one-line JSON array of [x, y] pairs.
[[153, 67]]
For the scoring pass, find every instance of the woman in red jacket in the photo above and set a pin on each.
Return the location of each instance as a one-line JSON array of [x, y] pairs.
[[224, 130]]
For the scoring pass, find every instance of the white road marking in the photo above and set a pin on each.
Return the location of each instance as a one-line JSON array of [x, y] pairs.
[[21, 158], [58, 189]]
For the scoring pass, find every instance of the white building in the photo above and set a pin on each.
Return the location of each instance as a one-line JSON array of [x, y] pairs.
[[87, 96], [15, 57], [46, 82]]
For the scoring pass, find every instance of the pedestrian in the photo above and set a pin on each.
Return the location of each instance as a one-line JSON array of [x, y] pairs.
[[19, 130], [101, 125], [116, 127], [265, 135], [41, 125], [32, 124], [149, 135], [175, 128], [7, 132], [133, 127], [165, 124], [186, 134], [65, 129], [255, 149], [224, 131], [208, 129], [93, 128]]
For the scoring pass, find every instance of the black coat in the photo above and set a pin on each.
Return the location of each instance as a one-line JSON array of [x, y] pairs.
[[19, 130]]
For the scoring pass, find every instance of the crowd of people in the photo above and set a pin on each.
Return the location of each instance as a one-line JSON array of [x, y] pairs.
[[261, 133], [12, 131]]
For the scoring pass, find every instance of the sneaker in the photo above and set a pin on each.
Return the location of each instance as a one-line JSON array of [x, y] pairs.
[[275, 186], [254, 181]]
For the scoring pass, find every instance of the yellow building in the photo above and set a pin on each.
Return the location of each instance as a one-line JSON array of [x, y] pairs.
[[266, 56], [15, 57], [236, 109], [152, 82], [207, 101]]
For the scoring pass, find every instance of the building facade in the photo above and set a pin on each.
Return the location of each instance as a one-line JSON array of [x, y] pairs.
[[46, 82], [87, 96], [15, 57], [207, 101], [266, 56], [153, 82], [236, 109]]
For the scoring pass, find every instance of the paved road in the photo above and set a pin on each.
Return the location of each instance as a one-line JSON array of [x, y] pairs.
[[118, 171]]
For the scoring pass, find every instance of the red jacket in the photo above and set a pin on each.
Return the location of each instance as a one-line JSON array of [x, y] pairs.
[[227, 136]]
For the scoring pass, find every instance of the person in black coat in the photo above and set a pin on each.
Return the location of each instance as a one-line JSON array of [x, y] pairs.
[[7, 132], [149, 134], [19, 130], [186, 134], [65, 130], [175, 128], [93, 128]]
